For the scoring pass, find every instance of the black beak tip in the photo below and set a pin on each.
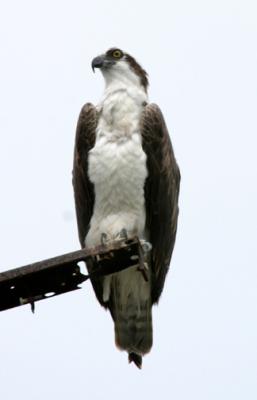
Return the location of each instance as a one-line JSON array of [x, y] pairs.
[[97, 63]]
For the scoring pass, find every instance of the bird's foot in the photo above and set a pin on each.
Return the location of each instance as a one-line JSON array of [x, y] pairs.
[[146, 246], [106, 239], [122, 235]]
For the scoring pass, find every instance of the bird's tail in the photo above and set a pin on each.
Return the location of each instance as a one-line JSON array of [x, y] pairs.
[[131, 309]]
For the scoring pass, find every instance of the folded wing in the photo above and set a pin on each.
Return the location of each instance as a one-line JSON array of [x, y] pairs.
[[161, 194]]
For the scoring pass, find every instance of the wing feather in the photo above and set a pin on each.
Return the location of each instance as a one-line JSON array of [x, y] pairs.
[[161, 194], [83, 188]]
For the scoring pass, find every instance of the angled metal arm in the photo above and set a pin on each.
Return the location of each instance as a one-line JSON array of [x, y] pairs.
[[62, 274]]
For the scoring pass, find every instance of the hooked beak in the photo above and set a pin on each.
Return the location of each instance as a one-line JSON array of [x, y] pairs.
[[97, 62]]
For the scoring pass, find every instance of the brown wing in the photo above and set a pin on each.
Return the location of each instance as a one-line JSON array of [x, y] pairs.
[[161, 194], [83, 188]]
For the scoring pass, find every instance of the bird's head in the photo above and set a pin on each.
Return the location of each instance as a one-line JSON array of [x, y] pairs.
[[117, 66]]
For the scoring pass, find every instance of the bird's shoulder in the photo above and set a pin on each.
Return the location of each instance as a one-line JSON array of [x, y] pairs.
[[86, 128]]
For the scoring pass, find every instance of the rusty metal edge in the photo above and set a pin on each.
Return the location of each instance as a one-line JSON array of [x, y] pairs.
[[75, 256]]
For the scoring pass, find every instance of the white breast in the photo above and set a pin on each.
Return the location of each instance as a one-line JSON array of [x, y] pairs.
[[117, 168]]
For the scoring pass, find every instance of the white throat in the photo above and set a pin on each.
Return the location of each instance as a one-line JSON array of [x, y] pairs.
[[120, 78]]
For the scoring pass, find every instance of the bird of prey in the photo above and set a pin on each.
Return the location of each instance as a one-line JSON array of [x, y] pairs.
[[126, 183]]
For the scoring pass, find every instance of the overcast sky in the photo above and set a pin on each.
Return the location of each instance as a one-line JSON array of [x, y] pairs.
[[202, 63]]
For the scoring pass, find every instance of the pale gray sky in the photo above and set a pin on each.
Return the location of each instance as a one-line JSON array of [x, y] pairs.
[[202, 62]]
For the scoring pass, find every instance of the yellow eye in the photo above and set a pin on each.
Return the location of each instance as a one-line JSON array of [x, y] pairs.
[[117, 54]]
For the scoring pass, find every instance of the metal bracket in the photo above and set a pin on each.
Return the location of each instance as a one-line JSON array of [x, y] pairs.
[[58, 275]]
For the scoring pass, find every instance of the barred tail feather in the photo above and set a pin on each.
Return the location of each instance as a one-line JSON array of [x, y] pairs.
[[133, 329], [131, 309]]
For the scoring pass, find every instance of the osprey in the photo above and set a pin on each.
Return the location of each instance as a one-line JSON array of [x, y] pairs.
[[126, 183]]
